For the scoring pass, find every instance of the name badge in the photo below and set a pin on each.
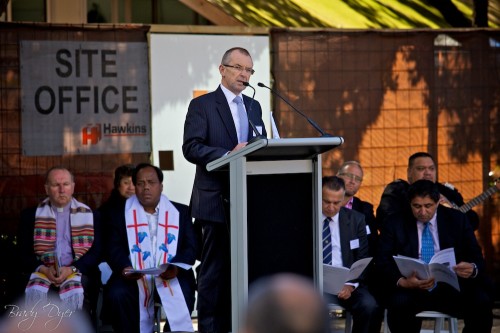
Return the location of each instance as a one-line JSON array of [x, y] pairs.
[[354, 244], [259, 129]]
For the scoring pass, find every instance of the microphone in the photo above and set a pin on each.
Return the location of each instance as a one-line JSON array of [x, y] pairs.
[[254, 128], [316, 126]]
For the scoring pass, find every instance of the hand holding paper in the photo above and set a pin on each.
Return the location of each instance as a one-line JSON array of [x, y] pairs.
[[440, 267], [149, 271], [334, 277]]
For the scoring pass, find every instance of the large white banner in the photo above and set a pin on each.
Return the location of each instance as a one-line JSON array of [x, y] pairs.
[[84, 98]]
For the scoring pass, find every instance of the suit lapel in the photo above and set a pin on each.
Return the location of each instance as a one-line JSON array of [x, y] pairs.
[[356, 204], [226, 116], [344, 230], [443, 229], [413, 232]]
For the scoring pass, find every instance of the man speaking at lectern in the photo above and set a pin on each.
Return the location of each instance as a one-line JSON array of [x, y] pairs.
[[217, 124]]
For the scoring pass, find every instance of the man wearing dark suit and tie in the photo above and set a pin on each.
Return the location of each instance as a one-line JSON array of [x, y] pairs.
[[215, 127], [447, 228], [345, 244]]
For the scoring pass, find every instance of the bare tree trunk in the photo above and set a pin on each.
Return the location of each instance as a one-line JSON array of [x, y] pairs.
[[451, 13], [481, 13], [3, 6]]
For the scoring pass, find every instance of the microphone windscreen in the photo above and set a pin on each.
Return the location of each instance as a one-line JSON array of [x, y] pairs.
[[260, 84], [246, 84]]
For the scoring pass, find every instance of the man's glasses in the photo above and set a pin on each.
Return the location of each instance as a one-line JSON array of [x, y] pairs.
[[351, 177], [239, 68]]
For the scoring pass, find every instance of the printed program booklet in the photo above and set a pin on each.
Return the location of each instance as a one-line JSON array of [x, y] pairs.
[[150, 271], [334, 277], [440, 267]]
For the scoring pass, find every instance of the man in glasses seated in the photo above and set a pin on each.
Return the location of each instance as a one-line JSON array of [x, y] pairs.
[[352, 174]]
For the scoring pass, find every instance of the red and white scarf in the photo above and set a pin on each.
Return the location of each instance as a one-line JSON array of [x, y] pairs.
[[142, 257]]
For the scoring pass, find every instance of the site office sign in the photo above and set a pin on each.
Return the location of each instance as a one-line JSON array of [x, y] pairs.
[[84, 98]]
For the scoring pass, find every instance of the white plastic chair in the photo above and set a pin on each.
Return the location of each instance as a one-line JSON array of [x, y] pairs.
[[439, 322], [438, 325]]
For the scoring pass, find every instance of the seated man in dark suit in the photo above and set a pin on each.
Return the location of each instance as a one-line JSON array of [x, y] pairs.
[[448, 228], [352, 174], [149, 231], [345, 242]]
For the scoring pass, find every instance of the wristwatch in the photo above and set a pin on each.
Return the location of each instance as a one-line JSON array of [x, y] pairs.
[[73, 269], [474, 270]]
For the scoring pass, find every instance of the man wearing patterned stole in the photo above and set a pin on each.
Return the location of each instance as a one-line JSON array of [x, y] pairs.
[[59, 246], [149, 232]]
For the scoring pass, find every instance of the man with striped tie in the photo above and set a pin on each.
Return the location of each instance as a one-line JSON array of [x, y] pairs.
[[432, 228], [345, 242]]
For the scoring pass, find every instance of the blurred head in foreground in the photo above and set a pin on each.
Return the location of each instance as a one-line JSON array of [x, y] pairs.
[[285, 303]]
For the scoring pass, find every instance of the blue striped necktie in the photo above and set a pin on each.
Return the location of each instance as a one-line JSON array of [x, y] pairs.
[[242, 116], [427, 250], [327, 242]]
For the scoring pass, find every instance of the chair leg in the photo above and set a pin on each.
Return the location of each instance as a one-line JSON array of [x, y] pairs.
[[158, 318], [438, 325], [348, 322], [386, 326], [453, 325]]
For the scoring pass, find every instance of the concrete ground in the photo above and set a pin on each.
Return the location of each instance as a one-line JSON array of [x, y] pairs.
[[338, 324]]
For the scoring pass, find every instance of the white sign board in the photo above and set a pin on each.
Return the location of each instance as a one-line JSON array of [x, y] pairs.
[[84, 98]]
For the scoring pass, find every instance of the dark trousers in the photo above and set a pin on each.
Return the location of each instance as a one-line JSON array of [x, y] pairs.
[[121, 298], [474, 304], [366, 314], [214, 279]]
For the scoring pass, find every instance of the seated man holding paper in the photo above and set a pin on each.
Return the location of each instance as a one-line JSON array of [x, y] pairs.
[[434, 228], [151, 250], [345, 243]]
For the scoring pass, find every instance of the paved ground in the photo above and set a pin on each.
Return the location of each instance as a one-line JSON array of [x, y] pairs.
[[338, 324]]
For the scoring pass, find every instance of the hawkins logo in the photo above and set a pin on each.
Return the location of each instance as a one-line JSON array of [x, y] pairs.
[[93, 133]]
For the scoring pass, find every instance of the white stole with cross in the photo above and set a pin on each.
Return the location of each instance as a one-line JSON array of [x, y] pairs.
[[141, 257]]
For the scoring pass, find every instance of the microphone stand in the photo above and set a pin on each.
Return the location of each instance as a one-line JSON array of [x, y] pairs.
[[257, 136], [312, 122]]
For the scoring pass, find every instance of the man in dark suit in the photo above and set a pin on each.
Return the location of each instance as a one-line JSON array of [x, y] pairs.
[[213, 128], [409, 295], [352, 174], [346, 244], [421, 165], [152, 211]]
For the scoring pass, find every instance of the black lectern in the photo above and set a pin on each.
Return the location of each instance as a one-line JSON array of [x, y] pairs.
[[275, 203]]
